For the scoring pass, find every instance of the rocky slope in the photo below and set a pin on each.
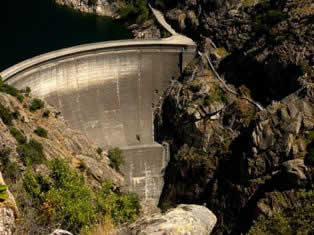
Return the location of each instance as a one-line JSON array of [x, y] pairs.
[[246, 165], [98, 7], [270, 42], [236, 160]]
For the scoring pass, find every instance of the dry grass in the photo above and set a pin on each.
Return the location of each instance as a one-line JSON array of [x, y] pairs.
[[105, 228]]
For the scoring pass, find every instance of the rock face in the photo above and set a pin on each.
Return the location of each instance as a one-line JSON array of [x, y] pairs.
[[8, 213], [185, 219], [225, 153], [271, 42], [98, 7], [230, 156]]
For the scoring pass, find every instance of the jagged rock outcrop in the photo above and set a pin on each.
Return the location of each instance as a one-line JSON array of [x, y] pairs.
[[98, 7], [270, 43], [230, 156], [184, 219]]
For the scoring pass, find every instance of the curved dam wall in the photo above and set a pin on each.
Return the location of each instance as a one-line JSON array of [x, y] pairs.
[[108, 90]]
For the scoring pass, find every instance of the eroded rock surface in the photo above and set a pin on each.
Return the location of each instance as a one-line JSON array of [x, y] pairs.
[[8, 213], [185, 219], [98, 7]]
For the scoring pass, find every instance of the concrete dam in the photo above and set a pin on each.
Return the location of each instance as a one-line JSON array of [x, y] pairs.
[[108, 90]]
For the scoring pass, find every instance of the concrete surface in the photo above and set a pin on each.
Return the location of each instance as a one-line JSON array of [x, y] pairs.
[[108, 90]]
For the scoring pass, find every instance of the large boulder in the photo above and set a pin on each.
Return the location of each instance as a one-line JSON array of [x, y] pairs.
[[185, 219]]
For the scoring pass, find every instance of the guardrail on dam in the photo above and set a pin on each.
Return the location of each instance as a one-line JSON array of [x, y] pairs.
[[108, 91]]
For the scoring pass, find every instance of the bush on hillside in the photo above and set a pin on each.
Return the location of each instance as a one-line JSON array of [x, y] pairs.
[[18, 135], [63, 198], [6, 115], [10, 170], [11, 90], [46, 114], [36, 104], [135, 9], [31, 153], [299, 217], [116, 158], [41, 132]]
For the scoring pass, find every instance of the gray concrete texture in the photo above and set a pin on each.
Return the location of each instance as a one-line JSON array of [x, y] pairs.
[[108, 90]]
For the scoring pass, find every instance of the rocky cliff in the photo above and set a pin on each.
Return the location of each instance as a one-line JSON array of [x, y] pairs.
[[98, 7], [252, 167]]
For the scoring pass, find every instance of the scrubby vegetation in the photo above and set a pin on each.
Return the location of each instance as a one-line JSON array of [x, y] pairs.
[[298, 219], [9, 169], [116, 158], [18, 135], [41, 132], [3, 192], [36, 104], [135, 9], [11, 90], [31, 153], [6, 115], [65, 199], [46, 114], [99, 150]]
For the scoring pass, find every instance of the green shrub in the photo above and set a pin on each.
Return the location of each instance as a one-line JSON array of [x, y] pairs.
[[116, 158], [11, 90], [36, 104], [263, 22], [299, 217], [36, 186], [31, 153], [99, 150], [4, 157], [46, 113], [18, 135], [63, 199], [72, 199], [10, 170], [137, 9], [120, 207], [3, 192], [41, 132], [6, 115], [16, 114], [28, 90], [20, 98]]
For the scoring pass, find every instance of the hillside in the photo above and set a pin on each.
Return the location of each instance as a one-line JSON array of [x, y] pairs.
[[56, 175]]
